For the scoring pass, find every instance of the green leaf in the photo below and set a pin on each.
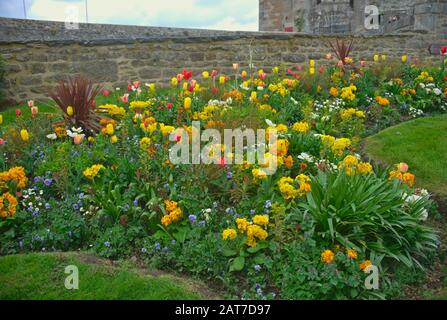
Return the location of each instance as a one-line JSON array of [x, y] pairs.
[[229, 252], [238, 264]]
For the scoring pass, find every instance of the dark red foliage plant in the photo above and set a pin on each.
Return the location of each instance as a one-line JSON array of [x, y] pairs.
[[342, 48], [78, 92]]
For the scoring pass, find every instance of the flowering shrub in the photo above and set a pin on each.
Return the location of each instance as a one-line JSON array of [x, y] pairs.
[[309, 229]]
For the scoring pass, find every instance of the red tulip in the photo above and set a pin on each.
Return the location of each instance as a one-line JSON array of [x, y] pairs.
[[2, 142], [169, 105], [443, 50], [187, 74], [215, 90], [222, 162], [136, 84], [105, 93], [214, 73], [125, 98], [129, 87], [18, 112]]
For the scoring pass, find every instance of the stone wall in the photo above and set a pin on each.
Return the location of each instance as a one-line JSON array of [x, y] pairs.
[[38, 54]]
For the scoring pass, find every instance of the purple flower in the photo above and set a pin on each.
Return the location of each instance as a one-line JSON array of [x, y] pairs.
[[47, 206], [252, 211], [48, 182], [192, 218], [107, 244], [135, 202], [229, 175], [157, 246], [37, 179], [76, 206], [257, 268]]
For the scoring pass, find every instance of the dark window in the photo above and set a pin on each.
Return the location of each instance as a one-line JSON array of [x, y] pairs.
[[318, 1], [351, 3]]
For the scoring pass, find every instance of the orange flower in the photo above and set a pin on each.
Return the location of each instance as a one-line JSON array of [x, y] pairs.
[[327, 256], [365, 264]]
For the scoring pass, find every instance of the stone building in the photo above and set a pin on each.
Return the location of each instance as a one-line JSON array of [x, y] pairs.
[[348, 16]]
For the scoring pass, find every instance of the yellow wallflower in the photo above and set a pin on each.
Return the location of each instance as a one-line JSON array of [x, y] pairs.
[[352, 254], [261, 220], [8, 205], [187, 103], [24, 135], [114, 139], [301, 127], [93, 171]]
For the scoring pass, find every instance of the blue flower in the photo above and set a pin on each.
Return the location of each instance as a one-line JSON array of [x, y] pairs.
[[135, 202], [157, 246], [257, 268], [229, 175], [48, 182], [47, 206], [173, 242], [192, 218], [37, 179], [252, 211], [76, 206], [107, 244]]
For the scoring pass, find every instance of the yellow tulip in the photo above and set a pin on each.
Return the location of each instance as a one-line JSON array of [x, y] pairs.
[[174, 82], [70, 111], [376, 57], [222, 80], [205, 74], [275, 70], [244, 74], [312, 71], [404, 58], [24, 135], [1, 118], [187, 103], [114, 139], [185, 86], [152, 87], [383, 57], [254, 95], [110, 130], [312, 63]]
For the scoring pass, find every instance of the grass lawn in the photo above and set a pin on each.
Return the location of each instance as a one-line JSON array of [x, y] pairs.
[[41, 276], [422, 143]]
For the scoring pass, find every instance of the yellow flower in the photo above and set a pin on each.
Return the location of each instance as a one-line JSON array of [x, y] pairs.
[[404, 58], [312, 71], [16, 174], [1, 118], [364, 168], [376, 57], [254, 96], [205, 74], [24, 135], [259, 174], [242, 224], [312, 63], [174, 82], [350, 161], [222, 79], [352, 254], [8, 205], [70, 111], [327, 256], [110, 129], [244, 74], [93, 171], [229, 234], [301, 127], [382, 101], [261, 220], [114, 139], [275, 70], [187, 103], [383, 57], [145, 143]]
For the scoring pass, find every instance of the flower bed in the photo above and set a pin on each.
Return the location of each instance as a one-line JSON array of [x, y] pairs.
[[317, 226]]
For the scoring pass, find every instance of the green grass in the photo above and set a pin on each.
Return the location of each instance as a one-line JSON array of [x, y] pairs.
[[9, 115], [422, 143], [41, 276]]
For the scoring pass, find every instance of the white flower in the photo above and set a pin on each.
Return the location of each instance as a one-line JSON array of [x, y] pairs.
[[260, 88], [52, 136], [270, 123], [424, 215], [437, 91], [306, 157]]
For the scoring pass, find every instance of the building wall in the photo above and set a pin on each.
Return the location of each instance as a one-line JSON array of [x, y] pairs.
[[39, 53], [346, 16]]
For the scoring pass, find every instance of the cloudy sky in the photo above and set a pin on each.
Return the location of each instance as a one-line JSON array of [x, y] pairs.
[[210, 14]]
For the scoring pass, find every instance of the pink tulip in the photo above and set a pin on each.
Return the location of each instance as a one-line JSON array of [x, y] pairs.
[[125, 98], [299, 68], [402, 167], [105, 93], [30, 103], [34, 111], [214, 73], [179, 77], [2, 142], [363, 64], [192, 83]]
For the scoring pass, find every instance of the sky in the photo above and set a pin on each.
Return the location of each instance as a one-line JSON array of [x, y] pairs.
[[206, 14]]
